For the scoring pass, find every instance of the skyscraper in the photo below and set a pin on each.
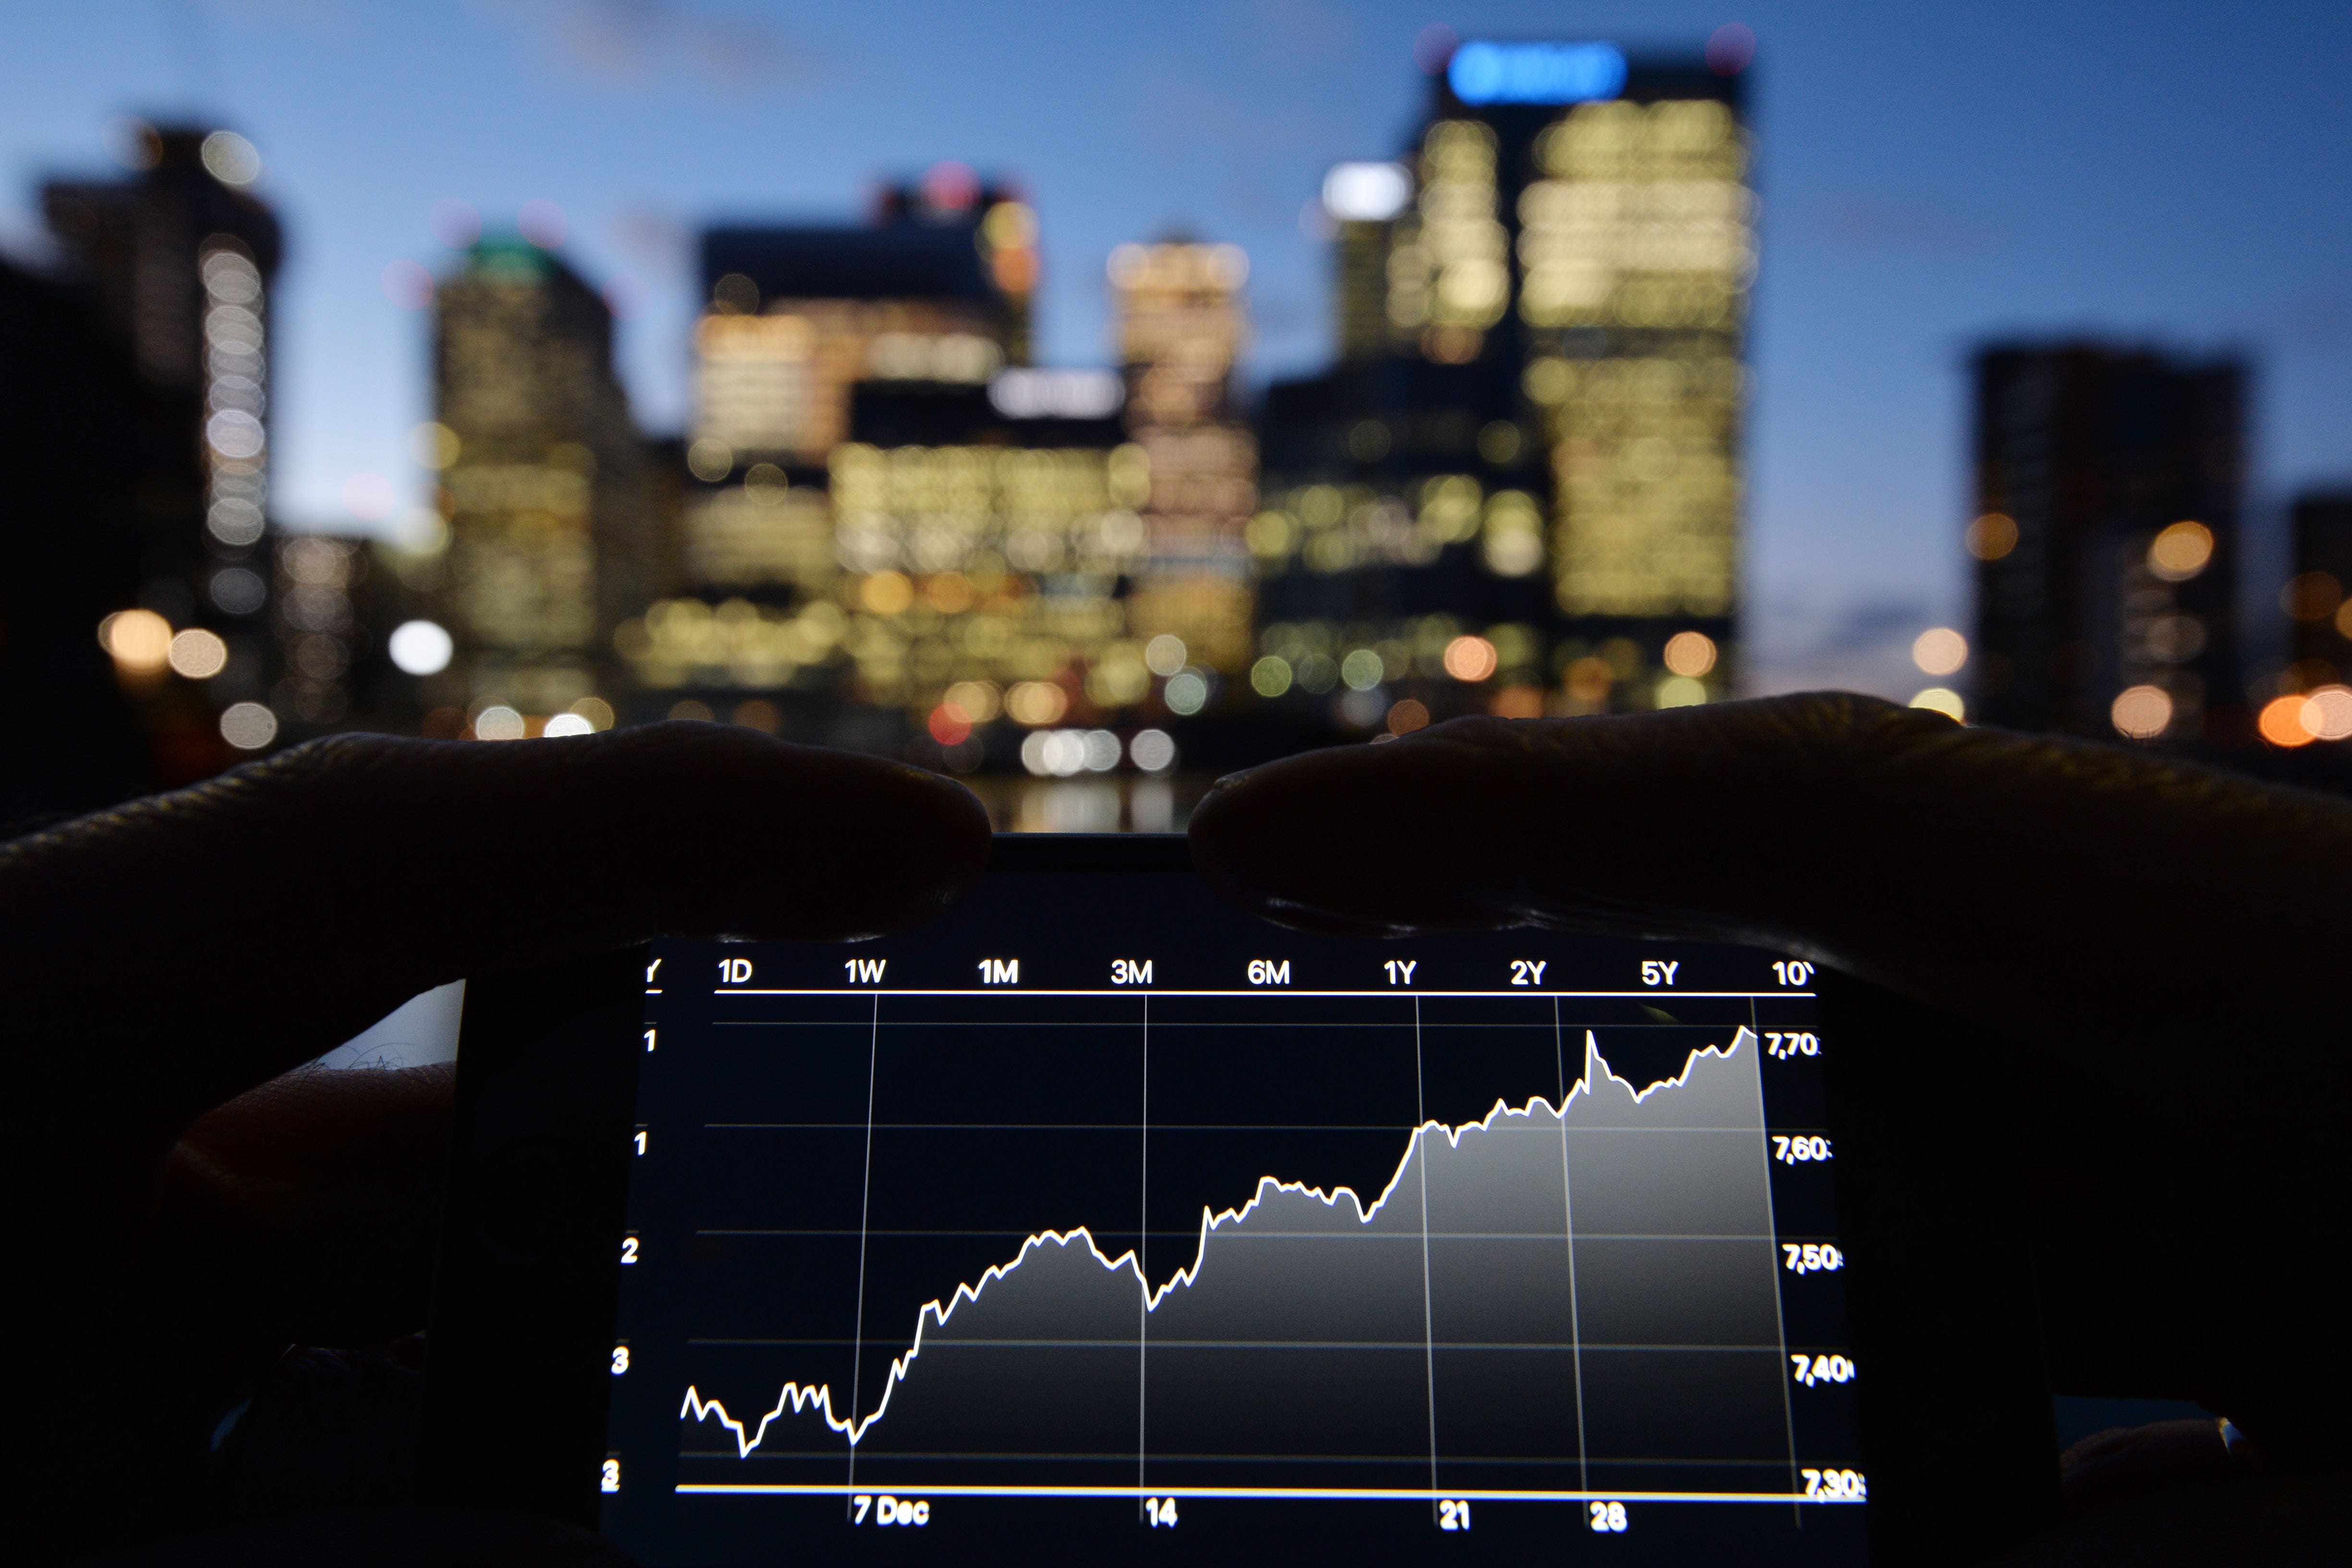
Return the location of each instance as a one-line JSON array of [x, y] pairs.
[[178, 260], [897, 532], [1180, 329], [551, 544], [2106, 537], [1537, 467]]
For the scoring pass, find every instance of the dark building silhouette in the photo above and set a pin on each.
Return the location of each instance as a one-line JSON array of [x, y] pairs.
[[2318, 599], [1532, 440], [71, 405], [176, 263], [2108, 484]]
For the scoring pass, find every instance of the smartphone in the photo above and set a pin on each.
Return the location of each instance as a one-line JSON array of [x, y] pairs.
[[1097, 1220]]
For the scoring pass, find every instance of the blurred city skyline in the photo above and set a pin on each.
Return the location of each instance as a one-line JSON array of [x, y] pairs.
[[2172, 175]]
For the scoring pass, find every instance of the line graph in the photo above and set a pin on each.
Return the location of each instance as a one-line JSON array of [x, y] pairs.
[[1438, 1259]]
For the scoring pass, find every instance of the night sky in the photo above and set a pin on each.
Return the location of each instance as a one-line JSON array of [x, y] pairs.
[[2178, 174]]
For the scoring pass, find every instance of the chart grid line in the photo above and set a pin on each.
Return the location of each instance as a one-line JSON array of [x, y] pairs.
[[1568, 1205], [1338, 1494], [865, 1211]]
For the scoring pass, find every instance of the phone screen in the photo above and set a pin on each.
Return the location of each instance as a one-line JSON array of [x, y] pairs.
[[1097, 1217]]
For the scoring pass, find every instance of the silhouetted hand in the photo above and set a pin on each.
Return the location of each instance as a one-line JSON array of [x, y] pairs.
[[2166, 952], [164, 958]]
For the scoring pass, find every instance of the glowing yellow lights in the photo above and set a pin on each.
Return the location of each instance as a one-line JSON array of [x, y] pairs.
[[1408, 716], [1939, 651], [1945, 701], [563, 724], [1032, 704], [249, 726], [595, 710], [1362, 670], [434, 445], [1470, 658], [1512, 546], [2141, 713], [1270, 676], [498, 722], [1992, 536], [691, 712], [1588, 680], [139, 641], [710, 459], [1690, 653], [976, 702], [886, 593], [197, 655], [1681, 690], [2180, 551], [1010, 225]]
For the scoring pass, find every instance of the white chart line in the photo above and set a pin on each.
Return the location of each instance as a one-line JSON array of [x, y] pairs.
[[795, 1396], [1342, 1494]]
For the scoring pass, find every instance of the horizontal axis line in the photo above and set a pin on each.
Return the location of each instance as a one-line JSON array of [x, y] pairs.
[[1337, 1494]]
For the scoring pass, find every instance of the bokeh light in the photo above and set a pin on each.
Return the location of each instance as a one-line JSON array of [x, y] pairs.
[[1681, 690], [1469, 658], [2180, 551], [2281, 722], [1408, 716], [198, 654], [249, 726], [1730, 48], [1165, 655], [565, 723], [948, 726], [2312, 596], [1187, 693], [2327, 713], [1270, 676], [1939, 651], [1689, 653], [1153, 750], [420, 648], [2141, 713], [500, 722], [1034, 704], [139, 640], [230, 159], [1992, 536], [1942, 700]]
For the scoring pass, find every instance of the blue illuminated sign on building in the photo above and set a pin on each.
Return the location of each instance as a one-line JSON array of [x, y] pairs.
[[1536, 73]]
